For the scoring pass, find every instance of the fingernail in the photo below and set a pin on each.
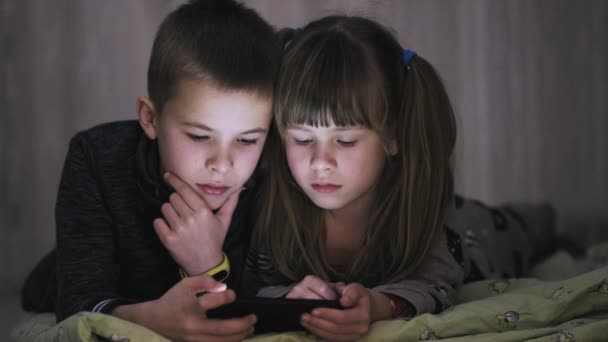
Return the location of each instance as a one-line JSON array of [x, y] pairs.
[[220, 287]]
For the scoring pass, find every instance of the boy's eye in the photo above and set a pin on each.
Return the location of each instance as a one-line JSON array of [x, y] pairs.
[[244, 141], [195, 137], [346, 143]]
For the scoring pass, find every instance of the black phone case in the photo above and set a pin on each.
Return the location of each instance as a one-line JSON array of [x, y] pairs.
[[274, 314]]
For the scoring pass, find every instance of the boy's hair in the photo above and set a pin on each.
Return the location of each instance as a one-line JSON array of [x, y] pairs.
[[217, 41], [350, 71]]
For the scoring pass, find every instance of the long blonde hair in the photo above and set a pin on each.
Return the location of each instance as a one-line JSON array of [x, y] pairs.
[[350, 70]]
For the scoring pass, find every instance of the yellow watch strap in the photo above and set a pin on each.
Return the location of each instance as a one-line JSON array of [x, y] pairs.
[[219, 272]]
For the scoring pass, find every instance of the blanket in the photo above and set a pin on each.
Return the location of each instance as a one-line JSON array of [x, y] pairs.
[[524, 309]]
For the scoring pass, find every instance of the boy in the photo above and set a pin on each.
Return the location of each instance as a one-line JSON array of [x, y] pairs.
[[122, 239]]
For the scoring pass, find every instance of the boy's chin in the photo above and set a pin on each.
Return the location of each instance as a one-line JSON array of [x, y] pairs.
[[215, 202]]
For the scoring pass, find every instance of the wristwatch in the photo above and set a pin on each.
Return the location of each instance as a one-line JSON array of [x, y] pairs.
[[219, 272]]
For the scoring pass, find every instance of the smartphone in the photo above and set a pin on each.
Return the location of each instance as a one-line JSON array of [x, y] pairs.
[[274, 314]]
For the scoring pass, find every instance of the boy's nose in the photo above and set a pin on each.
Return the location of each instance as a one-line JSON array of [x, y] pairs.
[[220, 163]]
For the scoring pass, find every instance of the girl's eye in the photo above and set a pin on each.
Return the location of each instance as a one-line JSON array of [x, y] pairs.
[[347, 143], [248, 141], [302, 142], [198, 137]]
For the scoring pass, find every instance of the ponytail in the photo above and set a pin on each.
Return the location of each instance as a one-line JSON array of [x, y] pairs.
[[426, 141]]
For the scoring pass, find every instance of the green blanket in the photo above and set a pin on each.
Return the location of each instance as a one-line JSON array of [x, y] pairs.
[[575, 309]]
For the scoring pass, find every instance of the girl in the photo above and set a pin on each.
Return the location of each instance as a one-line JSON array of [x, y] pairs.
[[359, 189]]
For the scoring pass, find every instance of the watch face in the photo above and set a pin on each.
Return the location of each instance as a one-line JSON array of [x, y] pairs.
[[221, 275]]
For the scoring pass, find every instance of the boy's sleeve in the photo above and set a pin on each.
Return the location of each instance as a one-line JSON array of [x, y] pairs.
[[259, 277], [432, 287], [87, 274]]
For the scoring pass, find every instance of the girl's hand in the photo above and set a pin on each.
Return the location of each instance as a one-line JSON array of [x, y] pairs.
[[312, 287], [181, 316], [190, 231], [348, 324]]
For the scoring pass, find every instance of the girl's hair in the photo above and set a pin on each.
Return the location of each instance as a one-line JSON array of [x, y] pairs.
[[350, 70]]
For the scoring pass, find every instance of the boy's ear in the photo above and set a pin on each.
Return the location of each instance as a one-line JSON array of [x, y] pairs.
[[147, 116], [392, 147]]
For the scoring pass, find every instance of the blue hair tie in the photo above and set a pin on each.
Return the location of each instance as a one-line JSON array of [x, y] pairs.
[[296, 33], [407, 57]]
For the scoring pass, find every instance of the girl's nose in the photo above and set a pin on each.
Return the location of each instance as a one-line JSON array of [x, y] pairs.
[[322, 159]]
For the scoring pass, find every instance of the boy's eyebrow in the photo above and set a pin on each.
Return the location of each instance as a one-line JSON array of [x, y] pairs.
[[199, 125], [255, 130], [207, 128]]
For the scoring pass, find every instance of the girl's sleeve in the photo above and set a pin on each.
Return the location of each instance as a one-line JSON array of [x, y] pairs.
[[432, 287], [87, 274]]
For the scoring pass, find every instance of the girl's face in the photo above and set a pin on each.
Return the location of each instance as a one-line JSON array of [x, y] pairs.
[[337, 167], [212, 138]]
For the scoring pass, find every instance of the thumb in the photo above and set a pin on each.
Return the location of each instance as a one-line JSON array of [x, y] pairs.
[[340, 287], [225, 212], [351, 294], [202, 283]]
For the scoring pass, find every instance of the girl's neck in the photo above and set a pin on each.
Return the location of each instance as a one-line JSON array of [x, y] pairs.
[[345, 234], [351, 219]]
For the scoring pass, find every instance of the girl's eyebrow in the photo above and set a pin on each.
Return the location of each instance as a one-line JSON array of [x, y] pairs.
[[209, 129], [338, 129]]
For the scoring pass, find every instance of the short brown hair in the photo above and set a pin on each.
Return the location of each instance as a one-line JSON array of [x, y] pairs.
[[217, 41]]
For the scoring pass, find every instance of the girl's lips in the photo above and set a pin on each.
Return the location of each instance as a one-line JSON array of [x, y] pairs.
[[213, 190], [326, 188]]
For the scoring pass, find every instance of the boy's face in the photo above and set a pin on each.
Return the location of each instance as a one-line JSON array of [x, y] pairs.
[[211, 138]]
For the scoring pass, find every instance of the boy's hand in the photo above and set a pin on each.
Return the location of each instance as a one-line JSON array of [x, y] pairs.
[[311, 287], [349, 324], [180, 316], [190, 231]]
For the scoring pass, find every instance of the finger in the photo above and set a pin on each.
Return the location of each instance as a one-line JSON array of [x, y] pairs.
[[170, 216], [188, 194], [225, 212], [180, 206], [212, 300], [320, 287], [162, 230], [357, 315], [352, 294], [329, 335], [230, 326], [348, 328], [202, 283], [302, 294]]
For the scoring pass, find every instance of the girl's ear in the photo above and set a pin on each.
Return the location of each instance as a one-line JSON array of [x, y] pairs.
[[147, 116], [392, 147]]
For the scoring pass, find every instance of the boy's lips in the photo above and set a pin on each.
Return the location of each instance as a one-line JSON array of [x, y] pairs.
[[326, 187], [213, 190]]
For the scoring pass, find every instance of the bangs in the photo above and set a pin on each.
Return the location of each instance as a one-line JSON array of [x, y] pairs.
[[316, 88]]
